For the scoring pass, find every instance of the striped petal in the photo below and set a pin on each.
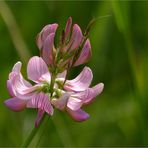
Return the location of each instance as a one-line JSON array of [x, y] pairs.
[[85, 54], [81, 82], [37, 70], [47, 51], [78, 115], [68, 28], [89, 94], [20, 88], [46, 31], [76, 38], [10, 88], [41, 101], [15, 104]]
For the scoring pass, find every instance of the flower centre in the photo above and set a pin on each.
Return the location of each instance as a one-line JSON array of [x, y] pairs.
[[46, 88]]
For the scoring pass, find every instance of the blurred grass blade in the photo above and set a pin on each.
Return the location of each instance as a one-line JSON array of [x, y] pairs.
[[14, 31], [62, 131], [121, 12]]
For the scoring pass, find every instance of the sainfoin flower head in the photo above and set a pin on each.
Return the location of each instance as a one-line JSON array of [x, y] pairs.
[[50, 88], [74, 47]]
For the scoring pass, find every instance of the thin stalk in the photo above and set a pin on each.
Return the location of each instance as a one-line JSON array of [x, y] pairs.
[[32, 134]]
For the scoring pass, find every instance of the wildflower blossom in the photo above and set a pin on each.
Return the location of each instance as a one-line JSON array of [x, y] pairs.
[[72, 42], [50, 88]]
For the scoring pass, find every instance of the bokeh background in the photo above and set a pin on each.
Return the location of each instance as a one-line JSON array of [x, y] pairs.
[[119, 39]]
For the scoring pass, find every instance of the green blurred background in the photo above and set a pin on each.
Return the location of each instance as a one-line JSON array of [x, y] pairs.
[[119, 116]]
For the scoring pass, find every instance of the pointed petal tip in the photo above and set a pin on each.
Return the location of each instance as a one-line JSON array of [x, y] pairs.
[[39, 117], [17, 67], [70, 18], [100, 87], [77, 27]]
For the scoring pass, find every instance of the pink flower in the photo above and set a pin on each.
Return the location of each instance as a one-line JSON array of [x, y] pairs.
[[77, 93], [71, 97], [70, 42], [23, 94]]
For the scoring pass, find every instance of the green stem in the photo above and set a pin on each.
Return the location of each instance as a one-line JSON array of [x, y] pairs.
[[32, 134]]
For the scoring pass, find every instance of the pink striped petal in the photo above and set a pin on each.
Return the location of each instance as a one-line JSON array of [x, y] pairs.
[[78, 115], [15, 104], [61, 102], [81, 82], [21, 90], [17, 67], [41, 101], [16, 70], [10, 88], [46, 31], [74, 103], [91, 93], [85, 54], [68, 28], [36, 69], [76, 38], [47, 51], [39, 117]]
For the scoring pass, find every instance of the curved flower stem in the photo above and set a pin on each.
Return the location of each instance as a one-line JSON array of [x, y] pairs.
[[34, 131]]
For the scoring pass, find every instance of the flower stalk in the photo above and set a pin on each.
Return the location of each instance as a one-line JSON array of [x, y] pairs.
[[32, 134]]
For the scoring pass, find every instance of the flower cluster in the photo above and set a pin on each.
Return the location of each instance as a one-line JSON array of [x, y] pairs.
[[50, 88]]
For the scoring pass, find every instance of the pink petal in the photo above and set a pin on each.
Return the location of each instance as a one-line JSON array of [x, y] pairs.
[[47, 52], [91, 93], [76, 38], [39, 117], [74, 103], [17, 67], [68, 28], [47, 30], [61, 102], [41, 101], [81, 82], [21, 90], [15, 104], [78, 115], [10, 88], [36, 69], [16, 70], [85, 54]]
